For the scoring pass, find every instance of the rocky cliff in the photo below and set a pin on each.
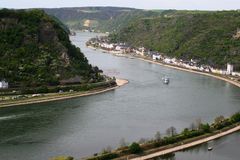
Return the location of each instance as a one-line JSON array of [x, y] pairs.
[[35, 50]]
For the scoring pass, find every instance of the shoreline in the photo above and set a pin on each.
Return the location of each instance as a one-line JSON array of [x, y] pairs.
[[192, 71], [170, 66], [187, 145], [57, 97], [196, 142]]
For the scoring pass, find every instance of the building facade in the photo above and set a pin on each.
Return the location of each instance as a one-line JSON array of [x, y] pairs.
[[229, 68], [3, 84]]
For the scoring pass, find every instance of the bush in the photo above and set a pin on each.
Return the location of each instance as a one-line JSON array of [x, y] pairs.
[[42, 89], [235, 118], [205, 128], [222, 124], [63, 158], [135, 148], [107, 156]]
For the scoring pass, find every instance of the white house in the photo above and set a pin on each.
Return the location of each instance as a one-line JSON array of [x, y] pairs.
[[118, 48], [140, 51], [236, 74], [107, 46], [156, 56], [3, 84], [122, 48], [229, 68], [167, 60], [218, 71]]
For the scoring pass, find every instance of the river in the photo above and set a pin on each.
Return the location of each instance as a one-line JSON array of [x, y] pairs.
[[85, 125]]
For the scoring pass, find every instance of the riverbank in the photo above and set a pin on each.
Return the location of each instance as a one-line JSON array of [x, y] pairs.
[[187, 145], [62, 96], [173, 143], [226, 79], [197, 142], [190, 142], [192, 71]]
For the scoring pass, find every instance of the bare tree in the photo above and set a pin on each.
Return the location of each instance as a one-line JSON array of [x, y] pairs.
[[122, 143], [171, 131], [142, 141], [219, 119], [158, 136], [108, 149], [192, 126], [198, 123], [195, 125]]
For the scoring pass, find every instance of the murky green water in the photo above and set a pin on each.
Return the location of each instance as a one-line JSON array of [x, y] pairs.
[[86, 125]]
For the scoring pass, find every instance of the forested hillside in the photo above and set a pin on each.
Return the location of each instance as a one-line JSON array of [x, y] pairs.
[[99, 18], [36, 50], [210, 37]]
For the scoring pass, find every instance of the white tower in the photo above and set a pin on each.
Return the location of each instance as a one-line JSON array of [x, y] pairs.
[[229, 68]]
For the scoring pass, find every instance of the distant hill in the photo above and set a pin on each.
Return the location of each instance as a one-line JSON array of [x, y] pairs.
[[35, 50], [98, 18], [210, 37]]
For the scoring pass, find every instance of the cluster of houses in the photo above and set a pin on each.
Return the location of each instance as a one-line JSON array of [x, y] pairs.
[[123, 48]]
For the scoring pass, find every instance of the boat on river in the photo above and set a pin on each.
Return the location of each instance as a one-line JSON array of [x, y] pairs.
[[165, 80], [210, 148]]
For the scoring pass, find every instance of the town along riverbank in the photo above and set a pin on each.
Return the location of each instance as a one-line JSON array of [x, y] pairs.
[[225, 78], [41, 98]]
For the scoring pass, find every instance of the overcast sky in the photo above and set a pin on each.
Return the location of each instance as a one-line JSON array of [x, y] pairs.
[[143, 4]]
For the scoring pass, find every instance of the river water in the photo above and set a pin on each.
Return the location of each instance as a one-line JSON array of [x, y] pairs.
[[84, 126]]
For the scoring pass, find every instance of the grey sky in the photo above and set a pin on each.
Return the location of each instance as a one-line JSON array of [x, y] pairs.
[[143, 4]]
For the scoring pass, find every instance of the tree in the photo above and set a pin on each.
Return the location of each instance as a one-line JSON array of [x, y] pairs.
[[62, 158], [205, 128], [235, 118], [106, 150], [198, 123], [172, 131], [135, 148], [186, 132], [219, 119], [142, 141], [195, 125], [158, 136], [122, 143], [192, 126]]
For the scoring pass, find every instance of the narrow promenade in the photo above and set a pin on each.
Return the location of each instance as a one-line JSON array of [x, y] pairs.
[[188, 145]]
